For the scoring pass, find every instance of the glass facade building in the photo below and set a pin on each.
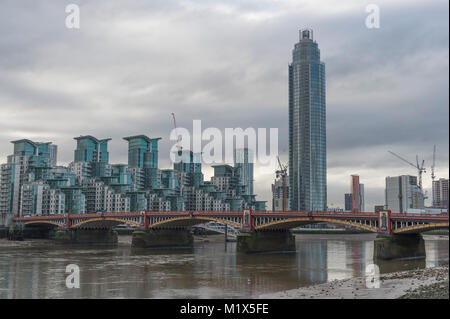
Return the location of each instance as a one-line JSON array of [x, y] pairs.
[[307, 127], [90, 149], [244, 159], [32, 184], [142, 151]]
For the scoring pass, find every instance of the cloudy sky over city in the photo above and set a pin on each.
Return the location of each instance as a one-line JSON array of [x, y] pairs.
[[134, 62]]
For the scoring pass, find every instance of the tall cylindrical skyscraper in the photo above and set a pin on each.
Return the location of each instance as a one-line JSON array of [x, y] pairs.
[[307, 127]]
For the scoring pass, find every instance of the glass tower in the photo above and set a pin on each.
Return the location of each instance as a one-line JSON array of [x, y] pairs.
[[307, 127], [243, 163]]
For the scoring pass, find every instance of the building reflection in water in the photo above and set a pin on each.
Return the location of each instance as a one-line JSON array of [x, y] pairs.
[[312, 261], [337, 260], [263, 273], [437, 252], [347, 259]]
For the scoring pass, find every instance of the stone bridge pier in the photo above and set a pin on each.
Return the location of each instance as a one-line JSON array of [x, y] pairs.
[[252, 240], [392, 246], [399, 238], [162, 238], [94, 231], [38, 232], [33, 231], [89, 236], [174, 231], [266, 241]]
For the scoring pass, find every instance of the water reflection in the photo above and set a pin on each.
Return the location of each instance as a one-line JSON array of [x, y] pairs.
[[210, 270], [437, 251], [312, 261], [387, 266]]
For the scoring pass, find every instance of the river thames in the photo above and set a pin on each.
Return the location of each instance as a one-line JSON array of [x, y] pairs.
[[212, 269]]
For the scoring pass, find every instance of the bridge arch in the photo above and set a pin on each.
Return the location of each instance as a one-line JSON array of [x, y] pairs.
[[191, 221], [102, 222], [43, 223], [296, 222], [421, 228]]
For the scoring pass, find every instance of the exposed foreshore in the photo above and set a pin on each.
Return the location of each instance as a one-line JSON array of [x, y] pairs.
[[421, 283]]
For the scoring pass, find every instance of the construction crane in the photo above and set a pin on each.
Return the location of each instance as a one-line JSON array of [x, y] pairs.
[[282, 172], [420, 169], [283, 168], [179, 147], [179, 152], [434, 163]]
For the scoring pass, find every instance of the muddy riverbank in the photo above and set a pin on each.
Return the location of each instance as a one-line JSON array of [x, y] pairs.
[[420, 283]]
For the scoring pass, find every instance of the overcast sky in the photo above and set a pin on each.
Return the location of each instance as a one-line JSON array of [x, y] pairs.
[[133, 62]]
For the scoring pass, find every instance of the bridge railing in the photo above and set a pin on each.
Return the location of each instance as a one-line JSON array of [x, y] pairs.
[[441, 216], [315, 213], [41, 217], [418, 215]]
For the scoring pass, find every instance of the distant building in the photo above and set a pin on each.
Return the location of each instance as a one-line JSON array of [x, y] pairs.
[[348, 202], [90, 149], [75, 200], [403, 193], [31, 161], [362, 203], [31, 183], [280, 193], [91, 158], [243, 163], [81, 170], [48, 150], [235, 186], [378, 208], [426, 210], [142, 151], [357, 191], [440, 193]]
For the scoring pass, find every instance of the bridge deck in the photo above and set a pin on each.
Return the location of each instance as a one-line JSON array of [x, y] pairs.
[[247, 220]]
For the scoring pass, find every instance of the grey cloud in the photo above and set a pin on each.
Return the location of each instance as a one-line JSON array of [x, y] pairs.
[[134, 62]]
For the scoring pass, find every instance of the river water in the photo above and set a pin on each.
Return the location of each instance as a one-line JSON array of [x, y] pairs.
[[211, 269]]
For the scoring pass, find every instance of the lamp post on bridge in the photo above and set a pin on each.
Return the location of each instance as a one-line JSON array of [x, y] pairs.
[[67, 225], [384, 222], [144, 219], [247, 221]]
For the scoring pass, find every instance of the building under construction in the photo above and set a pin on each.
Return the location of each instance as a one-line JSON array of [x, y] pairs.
[[280, 195], [280, 190]]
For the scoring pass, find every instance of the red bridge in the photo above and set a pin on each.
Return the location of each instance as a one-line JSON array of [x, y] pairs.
[[383, 222]]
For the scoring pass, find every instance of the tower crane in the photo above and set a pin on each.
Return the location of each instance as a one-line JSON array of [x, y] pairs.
[[179, 153], [420, 168], [434, 163], [179, 147], [282, 172]]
